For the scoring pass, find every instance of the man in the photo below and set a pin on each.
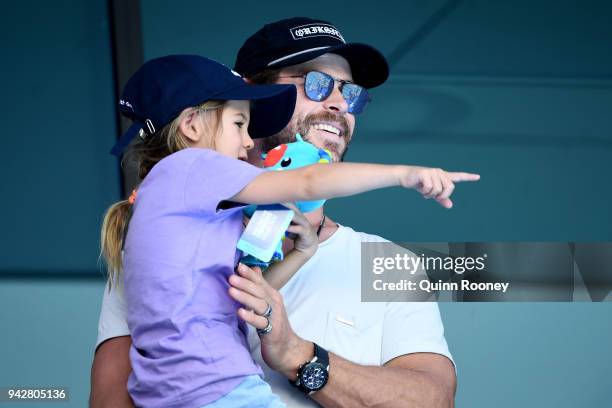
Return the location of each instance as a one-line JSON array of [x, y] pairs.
[[378, 354]]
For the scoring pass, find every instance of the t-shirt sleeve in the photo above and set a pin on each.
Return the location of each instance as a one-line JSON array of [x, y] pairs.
[[413, 327], [213, 178], [113, 315]]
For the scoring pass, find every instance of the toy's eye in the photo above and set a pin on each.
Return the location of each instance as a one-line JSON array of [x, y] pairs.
[[286, 162]]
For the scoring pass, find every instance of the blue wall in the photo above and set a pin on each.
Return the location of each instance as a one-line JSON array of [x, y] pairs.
[[58, 124], [519, 92]]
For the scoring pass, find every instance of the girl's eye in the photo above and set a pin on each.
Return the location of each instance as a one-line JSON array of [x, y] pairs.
[[239, 124]]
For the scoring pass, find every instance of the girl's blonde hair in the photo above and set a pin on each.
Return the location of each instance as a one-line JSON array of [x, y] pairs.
[[148, 152]]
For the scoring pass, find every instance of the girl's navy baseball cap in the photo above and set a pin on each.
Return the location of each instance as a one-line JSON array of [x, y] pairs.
[[163, 87]]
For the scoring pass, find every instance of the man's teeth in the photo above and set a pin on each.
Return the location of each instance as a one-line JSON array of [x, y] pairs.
[[329, 128]]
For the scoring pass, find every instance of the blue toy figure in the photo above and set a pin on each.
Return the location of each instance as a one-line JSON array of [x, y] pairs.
[[287, 157]]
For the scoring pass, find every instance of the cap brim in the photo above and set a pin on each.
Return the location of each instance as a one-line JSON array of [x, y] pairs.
[[368, 66], [272, 106], [271, 111]]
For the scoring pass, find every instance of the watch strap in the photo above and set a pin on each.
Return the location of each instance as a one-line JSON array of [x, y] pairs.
[[321, 355]]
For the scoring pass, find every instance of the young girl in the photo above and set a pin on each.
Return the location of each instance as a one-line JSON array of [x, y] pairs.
[[175, 239]]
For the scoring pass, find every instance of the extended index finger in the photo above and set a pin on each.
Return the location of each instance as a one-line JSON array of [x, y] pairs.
[[461, 176]]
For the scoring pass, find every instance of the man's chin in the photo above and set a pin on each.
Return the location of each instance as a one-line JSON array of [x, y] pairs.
[[336, 156], [337, 150]]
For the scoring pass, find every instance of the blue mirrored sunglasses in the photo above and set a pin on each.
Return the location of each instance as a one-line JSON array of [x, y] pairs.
[[318, 86]]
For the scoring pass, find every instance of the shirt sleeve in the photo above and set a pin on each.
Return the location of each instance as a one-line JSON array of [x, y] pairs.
[[213, 178], [113, 315], [413, 327]]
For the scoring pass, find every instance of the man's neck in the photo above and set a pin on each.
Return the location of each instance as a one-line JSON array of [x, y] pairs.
[[316, 217]]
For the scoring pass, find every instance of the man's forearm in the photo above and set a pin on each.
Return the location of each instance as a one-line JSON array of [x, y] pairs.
[[109, 375], [354, 385]]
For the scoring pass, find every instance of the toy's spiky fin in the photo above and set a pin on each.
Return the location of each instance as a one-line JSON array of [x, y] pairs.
[[325, 156]]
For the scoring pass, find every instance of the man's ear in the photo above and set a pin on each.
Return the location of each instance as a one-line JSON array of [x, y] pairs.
[[190, 126]]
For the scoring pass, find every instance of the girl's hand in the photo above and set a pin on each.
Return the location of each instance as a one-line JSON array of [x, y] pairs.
[[305, 237], [434, 183]]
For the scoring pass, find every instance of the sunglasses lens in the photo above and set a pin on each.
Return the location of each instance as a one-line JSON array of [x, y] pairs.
[[356, 96], [318, 85]]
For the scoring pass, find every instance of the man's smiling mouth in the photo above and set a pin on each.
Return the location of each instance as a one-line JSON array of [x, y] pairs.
[[328, 128]]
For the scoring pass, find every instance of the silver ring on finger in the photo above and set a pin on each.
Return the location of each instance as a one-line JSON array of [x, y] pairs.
[[268, 312], [265, 330]]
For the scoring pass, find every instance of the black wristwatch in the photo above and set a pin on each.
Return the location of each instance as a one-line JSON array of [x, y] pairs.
[[313, 374]]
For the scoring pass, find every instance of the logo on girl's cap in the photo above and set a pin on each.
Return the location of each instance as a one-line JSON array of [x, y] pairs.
[[125, 103]]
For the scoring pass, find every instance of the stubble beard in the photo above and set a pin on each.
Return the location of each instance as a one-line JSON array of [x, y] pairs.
[[287, 135]]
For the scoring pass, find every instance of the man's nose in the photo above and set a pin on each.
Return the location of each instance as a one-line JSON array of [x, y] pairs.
[[336, 102]]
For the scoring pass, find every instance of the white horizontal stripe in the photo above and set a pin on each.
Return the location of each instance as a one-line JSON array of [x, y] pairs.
[[296, 53]]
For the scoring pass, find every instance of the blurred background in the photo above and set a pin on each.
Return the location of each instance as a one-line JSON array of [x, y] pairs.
[[520, 92]]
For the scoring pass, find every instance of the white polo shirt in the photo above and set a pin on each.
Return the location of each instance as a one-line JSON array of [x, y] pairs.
[[323, 302]]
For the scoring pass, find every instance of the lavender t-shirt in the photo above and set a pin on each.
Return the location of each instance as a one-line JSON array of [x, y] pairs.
[[188, 344]]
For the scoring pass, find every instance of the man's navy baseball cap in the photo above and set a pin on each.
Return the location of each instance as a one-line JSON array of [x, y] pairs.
[[163, 87], [299, 39]]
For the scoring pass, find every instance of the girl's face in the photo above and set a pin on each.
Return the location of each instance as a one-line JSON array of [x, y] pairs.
[[233, 139]]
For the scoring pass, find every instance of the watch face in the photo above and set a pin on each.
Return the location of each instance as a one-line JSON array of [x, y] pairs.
[[314, 376]]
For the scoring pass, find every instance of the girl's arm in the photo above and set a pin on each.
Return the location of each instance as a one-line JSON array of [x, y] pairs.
[[305, 246], [324, 181]]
